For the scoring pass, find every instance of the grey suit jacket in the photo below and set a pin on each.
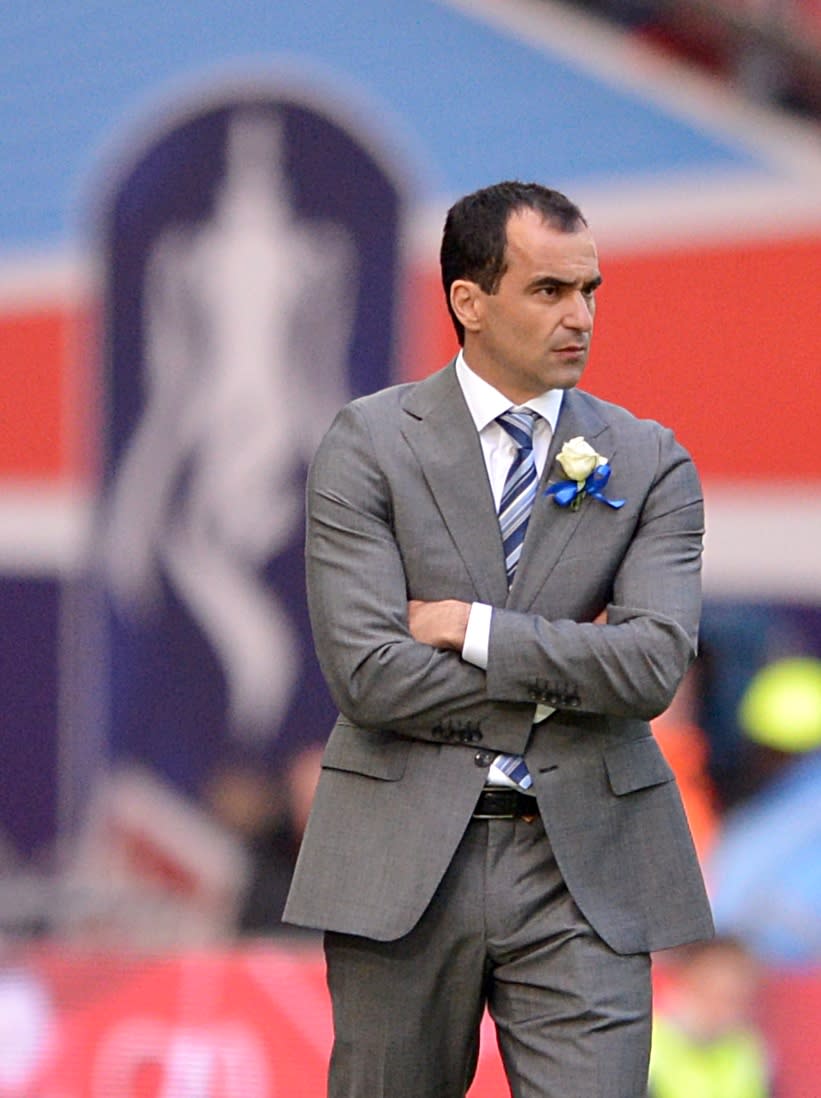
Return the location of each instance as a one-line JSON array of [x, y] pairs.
[[400, 507]]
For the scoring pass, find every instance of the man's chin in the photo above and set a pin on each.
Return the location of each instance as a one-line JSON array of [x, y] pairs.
[[567, 377]]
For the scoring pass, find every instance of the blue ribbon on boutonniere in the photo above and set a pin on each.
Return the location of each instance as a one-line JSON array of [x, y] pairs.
[[570, 493]]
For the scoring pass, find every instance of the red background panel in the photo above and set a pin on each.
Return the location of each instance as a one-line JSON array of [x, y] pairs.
[[32, 351], [42, 417], [253, 1022], [720, 343]]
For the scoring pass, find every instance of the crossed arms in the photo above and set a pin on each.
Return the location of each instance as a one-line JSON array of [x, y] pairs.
[[392, 660]]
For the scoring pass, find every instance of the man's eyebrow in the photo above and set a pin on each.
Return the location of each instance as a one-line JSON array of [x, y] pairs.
[[565, 284]]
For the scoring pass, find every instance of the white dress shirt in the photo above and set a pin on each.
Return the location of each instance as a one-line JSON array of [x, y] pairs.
[[484, 404]]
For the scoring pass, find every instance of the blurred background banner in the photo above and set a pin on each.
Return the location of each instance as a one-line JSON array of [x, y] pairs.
[[250, 261], [220, 221]]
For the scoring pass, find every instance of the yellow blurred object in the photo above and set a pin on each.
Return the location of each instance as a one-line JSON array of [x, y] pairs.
[[781, 708]]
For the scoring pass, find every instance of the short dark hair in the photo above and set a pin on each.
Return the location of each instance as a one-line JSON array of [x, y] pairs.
[[475, 235]]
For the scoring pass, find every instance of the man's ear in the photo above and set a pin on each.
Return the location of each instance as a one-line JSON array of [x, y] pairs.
[[466, 300]]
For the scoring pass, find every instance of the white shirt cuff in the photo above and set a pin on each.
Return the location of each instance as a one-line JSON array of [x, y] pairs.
[[477, 635]]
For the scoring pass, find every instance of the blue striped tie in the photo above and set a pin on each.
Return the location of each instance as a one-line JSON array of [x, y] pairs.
[[514, 514], [520, 487]]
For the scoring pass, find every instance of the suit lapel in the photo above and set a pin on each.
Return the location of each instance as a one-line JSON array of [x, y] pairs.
[[551, 527], [438, 427]]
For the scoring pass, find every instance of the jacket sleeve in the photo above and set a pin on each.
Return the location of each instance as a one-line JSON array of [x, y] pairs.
[[379, 676]]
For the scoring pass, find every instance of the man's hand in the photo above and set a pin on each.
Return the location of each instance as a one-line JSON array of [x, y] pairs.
[[441, 624]]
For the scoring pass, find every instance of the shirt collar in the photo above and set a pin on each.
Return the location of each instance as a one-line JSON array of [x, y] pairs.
[[486, 403]]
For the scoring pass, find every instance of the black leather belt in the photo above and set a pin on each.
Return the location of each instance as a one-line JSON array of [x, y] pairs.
[[505, 804]]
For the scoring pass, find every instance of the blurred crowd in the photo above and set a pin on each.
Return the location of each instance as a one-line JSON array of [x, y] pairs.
[[706, 1043], [754, 805], [769, 50], [268, 814]]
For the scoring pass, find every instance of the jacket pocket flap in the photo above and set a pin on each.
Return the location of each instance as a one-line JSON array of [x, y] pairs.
[[364, 751], [636, 764]]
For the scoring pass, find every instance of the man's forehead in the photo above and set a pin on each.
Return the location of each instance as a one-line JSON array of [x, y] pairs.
[[531, 238]]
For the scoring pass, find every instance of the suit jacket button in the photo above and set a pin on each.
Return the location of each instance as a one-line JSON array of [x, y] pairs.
[[483, 758]]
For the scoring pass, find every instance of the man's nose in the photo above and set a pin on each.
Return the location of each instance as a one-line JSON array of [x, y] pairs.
[[580, 312]]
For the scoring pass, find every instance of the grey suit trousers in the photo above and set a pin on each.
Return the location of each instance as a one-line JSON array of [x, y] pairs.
[[502, 931]]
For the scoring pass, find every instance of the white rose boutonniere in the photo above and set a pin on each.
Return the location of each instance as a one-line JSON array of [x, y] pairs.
[[578, 458], [589, 473]]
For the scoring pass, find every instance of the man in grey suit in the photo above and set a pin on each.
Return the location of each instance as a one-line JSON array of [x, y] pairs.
[[495, 825]]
